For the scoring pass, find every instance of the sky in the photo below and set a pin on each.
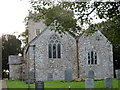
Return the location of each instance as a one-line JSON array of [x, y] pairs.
[[12, 14]]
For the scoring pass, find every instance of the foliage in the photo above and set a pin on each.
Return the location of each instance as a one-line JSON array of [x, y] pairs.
[[73, 15], [24, 36], [116, 50], [108, 10], [60, 19], [110, 28], [10, 46]]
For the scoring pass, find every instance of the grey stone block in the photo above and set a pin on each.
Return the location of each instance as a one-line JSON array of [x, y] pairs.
[[30, 78], [108, 83], [89, 83], [117, 74], [50, 77], [68, 75], [15, 60], [91, 74], [39, 85]]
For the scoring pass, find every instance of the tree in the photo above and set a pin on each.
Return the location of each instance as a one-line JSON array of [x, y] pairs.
[[10, 46], [72, 16], [24, 36]]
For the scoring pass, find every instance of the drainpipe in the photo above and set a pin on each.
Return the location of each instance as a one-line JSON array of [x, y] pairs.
[[34, 60], [77, 57], [34, 63]]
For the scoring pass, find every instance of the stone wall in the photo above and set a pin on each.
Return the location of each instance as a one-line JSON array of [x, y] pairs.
[[98, 43], [15, 67], [57, 66], [33, 26], [44, 65], [25, 64]]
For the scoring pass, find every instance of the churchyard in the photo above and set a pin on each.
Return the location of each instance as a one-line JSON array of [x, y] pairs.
[[59, 84], [68, 83]]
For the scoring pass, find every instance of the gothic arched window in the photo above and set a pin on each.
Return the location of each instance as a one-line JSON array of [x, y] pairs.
[[54, 47]]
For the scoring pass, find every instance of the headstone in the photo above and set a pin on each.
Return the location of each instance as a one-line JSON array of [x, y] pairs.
[[108, 83], [30, 78], [89, 83], [50, 77], [68, 75], [91, 74], [118, 77], [117, 74], [0, 58], [31, 74], [39, 85]]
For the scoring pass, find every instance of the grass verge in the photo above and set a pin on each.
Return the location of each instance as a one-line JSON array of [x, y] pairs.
[[58, 84]]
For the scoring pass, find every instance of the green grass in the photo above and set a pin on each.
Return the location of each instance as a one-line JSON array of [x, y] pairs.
[[58, 84]]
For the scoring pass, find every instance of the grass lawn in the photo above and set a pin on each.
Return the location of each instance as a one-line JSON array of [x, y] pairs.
[[58, 84]]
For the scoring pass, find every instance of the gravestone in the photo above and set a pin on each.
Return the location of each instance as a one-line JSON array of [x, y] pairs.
[[39, 85], [90, 79], [118, 77], [108, 83], [30, 78], [31, 75], [89, 83], [91, 74], [50, 77], [68, 75], [117, 74]]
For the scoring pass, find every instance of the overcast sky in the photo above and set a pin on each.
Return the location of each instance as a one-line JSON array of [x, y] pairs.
[[12, 14]]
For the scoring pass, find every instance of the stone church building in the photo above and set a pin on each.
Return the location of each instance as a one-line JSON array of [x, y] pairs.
[[50, 53]]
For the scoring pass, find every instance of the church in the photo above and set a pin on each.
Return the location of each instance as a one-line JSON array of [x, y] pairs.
[[49, 53]]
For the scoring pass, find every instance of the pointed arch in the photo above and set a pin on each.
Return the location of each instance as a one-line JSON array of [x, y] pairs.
[[54, 47]]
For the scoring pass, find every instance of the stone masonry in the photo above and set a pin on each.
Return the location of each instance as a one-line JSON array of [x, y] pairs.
[[15, 67], [36, 55]]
